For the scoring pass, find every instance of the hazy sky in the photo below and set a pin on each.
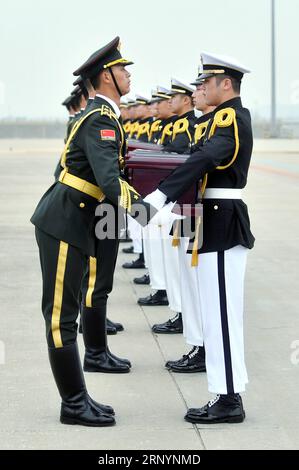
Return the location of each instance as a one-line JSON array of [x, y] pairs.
[[43, 42]]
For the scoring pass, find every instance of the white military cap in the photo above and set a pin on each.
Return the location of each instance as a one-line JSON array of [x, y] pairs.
[[141, 99], [161, 93], [123, 102], [215, 64], [180, 87]]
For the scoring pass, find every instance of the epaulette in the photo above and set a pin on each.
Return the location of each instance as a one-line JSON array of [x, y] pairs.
[[155, 127], [226, 118], [200, 130], [180, 127], [167, 132], [223, 118], [143, 129]]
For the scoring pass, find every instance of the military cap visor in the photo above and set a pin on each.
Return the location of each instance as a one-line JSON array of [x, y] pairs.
[[198, 81], [67, 101], [214, 70], [79, 81], [76, 91], [102, 59]]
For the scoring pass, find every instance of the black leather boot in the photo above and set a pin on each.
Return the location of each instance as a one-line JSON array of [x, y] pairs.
[[172, 326], [77, 406], [152, 300], [222, 409], [97, 355]]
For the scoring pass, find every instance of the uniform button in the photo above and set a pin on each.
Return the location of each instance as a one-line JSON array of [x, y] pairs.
[[82, 205], [216, 208]]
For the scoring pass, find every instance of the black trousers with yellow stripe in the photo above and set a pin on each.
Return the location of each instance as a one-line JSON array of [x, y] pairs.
[[97, 282], [65, 269]]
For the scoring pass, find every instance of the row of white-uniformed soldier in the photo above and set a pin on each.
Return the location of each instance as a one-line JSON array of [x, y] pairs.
[[170, 270]]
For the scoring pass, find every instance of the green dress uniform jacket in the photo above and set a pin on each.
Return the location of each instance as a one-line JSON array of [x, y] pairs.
[[95, 155]]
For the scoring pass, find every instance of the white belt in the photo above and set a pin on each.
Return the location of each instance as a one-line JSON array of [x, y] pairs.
[[222, 193]]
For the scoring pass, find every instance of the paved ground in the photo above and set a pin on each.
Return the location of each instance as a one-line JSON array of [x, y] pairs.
[[150, 402]]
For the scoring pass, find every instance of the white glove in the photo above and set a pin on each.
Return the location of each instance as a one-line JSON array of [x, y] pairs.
[[156, 199], [165, 217]]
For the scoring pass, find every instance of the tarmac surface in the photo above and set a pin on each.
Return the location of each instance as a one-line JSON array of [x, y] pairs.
[[150, 402]]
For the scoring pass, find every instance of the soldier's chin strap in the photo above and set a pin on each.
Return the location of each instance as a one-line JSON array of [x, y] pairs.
[[115, 82]]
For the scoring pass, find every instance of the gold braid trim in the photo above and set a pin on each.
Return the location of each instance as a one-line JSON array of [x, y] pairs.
[[180, 127], [143, 129], [154, 128], [126, 191], [167, 131], [200, 130], [127, 127], [134, 129], [176, 239], [194, 258], [223, 118], [104, 111]]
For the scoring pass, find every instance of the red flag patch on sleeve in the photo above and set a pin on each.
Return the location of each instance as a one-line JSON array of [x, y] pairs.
[[107, 134]]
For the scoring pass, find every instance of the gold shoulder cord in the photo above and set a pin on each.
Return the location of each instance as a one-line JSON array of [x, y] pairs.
[[223, 118], [200, 131], [154, 128], [167, 131], [104, 111], [143, 129], [180, 127], [127, 127], [134, 129]]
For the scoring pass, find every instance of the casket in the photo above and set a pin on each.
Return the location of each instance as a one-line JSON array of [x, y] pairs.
[[135, 144], [146, 169]]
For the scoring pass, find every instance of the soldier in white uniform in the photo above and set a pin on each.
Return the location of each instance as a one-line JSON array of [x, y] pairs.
[[222, 162]]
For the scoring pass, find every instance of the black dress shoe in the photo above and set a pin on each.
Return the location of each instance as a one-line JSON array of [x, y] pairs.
[[172, 326], [145, 279], [111, 330], [77, 406], [194, 361], [128, 250], [137, 264], [95, 361], [112, 324], [223, 409], [159, 298]]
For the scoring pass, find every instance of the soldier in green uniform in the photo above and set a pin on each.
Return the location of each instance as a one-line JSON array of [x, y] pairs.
[[65, 231]]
